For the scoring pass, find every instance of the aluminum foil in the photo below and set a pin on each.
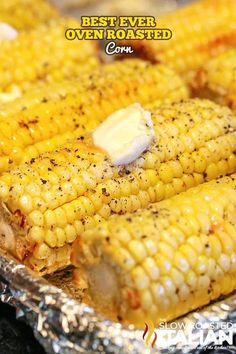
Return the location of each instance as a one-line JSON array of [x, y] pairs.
[[63, 324]]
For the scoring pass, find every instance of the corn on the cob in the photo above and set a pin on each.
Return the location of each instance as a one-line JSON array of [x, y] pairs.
[[50, 200], [25, 14], [43, 55], [200, 30], [29, 127], [217, 79], [165, 261]]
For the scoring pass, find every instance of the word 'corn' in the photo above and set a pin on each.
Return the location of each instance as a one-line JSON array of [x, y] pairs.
[[25, 14], [47, 202], [30, 126], [217, 79], [165, 261], [44, 55], [200, 30]]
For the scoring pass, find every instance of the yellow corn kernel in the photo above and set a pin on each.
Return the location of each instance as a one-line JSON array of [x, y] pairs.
[[35, 64], [175, 277], [69, 110], [216, 79], [43, 192], [189, 49], [25, 14]]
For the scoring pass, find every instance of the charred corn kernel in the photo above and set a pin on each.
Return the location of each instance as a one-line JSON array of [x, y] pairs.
[[34, 126], [189, 49], [36, 64], [25, 14], [217, 79], [59, 204], [197, 271]]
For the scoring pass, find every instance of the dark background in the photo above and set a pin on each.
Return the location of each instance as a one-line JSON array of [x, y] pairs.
[[15, 336]]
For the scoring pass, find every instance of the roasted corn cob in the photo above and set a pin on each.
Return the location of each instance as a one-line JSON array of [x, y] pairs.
[[44, 55], [48, 201], [165, 261], [25, 14], [29, 127], [200, 30], [217, 79]]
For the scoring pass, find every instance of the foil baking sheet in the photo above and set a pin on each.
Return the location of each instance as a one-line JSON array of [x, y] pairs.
[[63, 324]]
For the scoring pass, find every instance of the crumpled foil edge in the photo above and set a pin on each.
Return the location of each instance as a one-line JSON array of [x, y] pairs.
[[66, 326]]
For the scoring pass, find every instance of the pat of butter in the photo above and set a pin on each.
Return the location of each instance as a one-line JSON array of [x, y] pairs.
[[125, 134], [7, 32], [10, 96]]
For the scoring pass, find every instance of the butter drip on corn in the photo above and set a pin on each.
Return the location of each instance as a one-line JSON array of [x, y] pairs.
[[52, 199], [7, 32], [125, 134], [164, 261], [10, 96]]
